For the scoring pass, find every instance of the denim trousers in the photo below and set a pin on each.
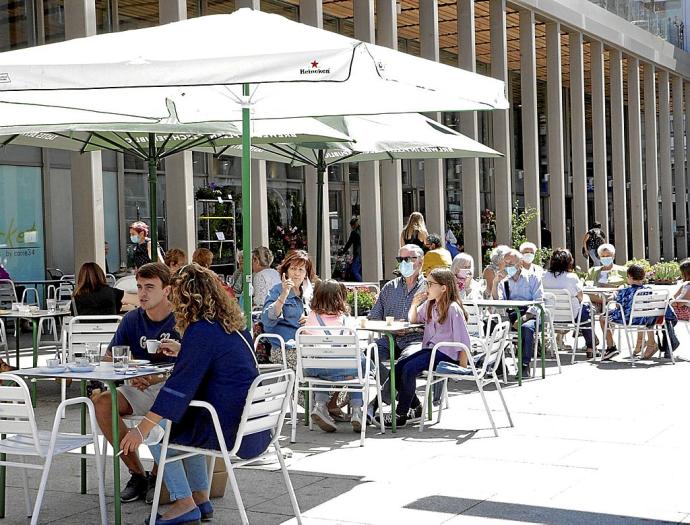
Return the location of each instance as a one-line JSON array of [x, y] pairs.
[[340, 374], [182, 477], [586, 332]]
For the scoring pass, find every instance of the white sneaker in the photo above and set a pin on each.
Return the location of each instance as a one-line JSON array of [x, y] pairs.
[[322, 418], [357, 419]]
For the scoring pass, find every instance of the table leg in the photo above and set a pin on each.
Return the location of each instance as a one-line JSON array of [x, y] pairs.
[[391, 351], [83, 431], [543, 342], [34, 344], [3, 472], [116, 449], [519, 356], [17, 328]]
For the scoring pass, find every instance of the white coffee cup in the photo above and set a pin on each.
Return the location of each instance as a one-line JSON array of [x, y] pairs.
[[389, 320], [362, 321], [53, 363], [152, 345]]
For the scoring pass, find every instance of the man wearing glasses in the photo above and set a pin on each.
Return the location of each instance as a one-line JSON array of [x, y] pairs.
[[395, 300]]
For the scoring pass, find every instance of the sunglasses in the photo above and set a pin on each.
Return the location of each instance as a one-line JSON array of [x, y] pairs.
[[406, 259]]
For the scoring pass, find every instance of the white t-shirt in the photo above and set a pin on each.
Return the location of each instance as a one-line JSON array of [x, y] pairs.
[[535, 269], [568, 281], [262, 282]]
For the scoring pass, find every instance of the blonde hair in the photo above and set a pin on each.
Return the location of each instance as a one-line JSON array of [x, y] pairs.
[[414, 224], [197, 295]]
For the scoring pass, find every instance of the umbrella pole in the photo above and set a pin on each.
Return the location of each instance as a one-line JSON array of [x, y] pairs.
[[320, 171], [246, 209], [153, 202]]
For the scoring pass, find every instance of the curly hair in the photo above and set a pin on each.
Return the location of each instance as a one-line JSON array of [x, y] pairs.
[[197, 294]]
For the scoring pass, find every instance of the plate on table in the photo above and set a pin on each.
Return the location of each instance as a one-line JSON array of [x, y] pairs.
[[139, 362], [147, 368], [74, 367], [53, 370]]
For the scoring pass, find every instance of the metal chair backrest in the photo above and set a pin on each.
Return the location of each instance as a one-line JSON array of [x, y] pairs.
[[649, 303], [85, 329], [110, 279], [475, 321], [268, 399], [68, 278], [64, 292], [559, 305], [8, 294], [495, 345], [16, 411], [331, 347]]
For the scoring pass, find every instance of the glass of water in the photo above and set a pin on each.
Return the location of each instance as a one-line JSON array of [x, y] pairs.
[[93, 352], [120, 359]]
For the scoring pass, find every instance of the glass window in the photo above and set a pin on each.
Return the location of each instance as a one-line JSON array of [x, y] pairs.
[[135, 14], [16, 27], [22, 242], [104, 16], [110, 217], [54, 20], [217, 7], [280, 8]]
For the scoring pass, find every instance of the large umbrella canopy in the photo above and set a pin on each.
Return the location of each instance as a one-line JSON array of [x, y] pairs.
[[208, 68], [375, 137]]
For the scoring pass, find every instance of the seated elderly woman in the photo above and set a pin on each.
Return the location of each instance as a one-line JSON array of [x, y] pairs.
[[529, 251], [215, 364], [495, 267], [561, 276], [608, 275], [463, 270]]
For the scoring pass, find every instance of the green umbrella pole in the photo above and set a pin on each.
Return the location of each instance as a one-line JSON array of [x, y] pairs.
[[153, 202], [320, 171], [246, 209]]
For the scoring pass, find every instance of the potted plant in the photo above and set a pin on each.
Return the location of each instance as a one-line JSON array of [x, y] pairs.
[[664, 273], [365, 299]]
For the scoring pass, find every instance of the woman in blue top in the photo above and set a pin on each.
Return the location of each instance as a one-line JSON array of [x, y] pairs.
[[286, 306], [215, 364]]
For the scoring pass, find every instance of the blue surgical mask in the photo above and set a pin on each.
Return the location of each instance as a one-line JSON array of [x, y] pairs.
[[511, 270], [134, 239], [406, 268], [607, 261], [528, 257]]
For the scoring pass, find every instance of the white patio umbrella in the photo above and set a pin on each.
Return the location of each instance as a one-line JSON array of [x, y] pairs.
[[375, 137], [249, 64]]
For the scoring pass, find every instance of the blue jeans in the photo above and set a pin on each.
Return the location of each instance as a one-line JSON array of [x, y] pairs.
[[331, 374], [586, 314], [356, 268], [595, 258], [182, 477], [528, 330]]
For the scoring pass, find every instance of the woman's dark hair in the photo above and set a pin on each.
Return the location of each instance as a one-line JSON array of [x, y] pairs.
[[685, 269], [636, 272], [561, 261], [156, 270], [434, 240], [90, 279], [330, 297], [596, 224]]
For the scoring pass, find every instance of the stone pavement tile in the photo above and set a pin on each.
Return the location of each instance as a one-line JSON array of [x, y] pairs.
[[55, 505]]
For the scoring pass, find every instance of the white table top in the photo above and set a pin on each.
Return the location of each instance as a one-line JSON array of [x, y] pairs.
[[16, 314], [103, 372], [502, 303]]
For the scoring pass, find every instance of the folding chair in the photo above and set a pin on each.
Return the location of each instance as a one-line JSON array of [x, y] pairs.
[[24, 439], [558, 305], [493, 352], [267, 402], [646, 303], [321, 349]]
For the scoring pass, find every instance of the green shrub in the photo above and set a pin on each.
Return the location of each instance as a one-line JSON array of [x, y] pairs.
[[365, 300], [665, 272]]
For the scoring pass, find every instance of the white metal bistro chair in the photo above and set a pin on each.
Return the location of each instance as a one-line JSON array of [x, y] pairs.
[[3, 341], [18, 423], [8, 296], [646, 303], [267, 402], [558, 305], [110, 279], [486, 373], [681, 302], [335, 348], [45, 324]]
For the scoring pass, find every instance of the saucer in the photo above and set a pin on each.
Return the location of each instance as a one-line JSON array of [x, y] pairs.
[[53, 370], [76, 368]]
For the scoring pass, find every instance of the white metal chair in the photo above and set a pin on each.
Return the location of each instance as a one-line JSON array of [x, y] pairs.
[[110, 279], [486, 373], [558, 304], [8, 296], [3, 341], [23, 439], [267, 402], [45, 324], [681, 302], [270, 367], [340, 350], [646, 303]]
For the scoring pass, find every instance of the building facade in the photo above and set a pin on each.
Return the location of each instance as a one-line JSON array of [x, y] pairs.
[[595, 132]]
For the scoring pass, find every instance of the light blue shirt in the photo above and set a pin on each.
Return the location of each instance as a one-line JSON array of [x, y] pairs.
[[525, 286]]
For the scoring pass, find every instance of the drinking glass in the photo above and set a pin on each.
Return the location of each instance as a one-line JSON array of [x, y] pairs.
[[120, 359], [51, 304], [93, 352]]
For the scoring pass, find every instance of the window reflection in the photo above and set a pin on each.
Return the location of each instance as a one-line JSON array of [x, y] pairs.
[[135, 14]]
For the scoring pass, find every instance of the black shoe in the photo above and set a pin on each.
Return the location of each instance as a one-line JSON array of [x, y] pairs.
[[135, 489], [526, 371], [150, 488], [400, 421], [610, 353], [415, 413]]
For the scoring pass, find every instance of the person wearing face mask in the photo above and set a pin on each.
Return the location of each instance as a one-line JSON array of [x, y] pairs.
[[395, 300], [608, 275], [518, 285], [463, 270], [529, 251], [138, 234]]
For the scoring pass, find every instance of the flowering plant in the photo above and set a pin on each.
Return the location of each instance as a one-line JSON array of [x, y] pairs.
[[365, 299]]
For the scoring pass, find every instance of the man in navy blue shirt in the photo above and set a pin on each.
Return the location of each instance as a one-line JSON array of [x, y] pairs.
[[152, 320]]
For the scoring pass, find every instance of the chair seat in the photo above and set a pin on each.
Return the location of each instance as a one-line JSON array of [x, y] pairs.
[[23, 444], [314, 381]]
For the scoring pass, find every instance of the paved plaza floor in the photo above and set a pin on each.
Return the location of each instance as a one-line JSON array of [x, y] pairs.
[[597, 444]]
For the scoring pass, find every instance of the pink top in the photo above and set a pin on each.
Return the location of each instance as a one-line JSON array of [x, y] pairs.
[[327, 319], [453, 329]]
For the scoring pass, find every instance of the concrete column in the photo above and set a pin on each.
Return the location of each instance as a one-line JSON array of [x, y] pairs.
[[635, 149], [679, 181], [651, 167], [467, 59], [87, 171], [369, 177], [665, 178], [601, 188], [391, 172], [311, 13], [620, 215], [686, 173], [251, 4], [578, 145], [311, 195], [530, 125], [554, 123], [501, 123], [434, 177], [179, 168]]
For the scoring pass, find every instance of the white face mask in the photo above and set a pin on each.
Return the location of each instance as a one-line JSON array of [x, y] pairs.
[[528, 257], [511, 271], [406, 268], [134, 239], [607, 261]]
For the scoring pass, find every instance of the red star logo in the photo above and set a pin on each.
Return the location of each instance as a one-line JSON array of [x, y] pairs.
[[314, 64]]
